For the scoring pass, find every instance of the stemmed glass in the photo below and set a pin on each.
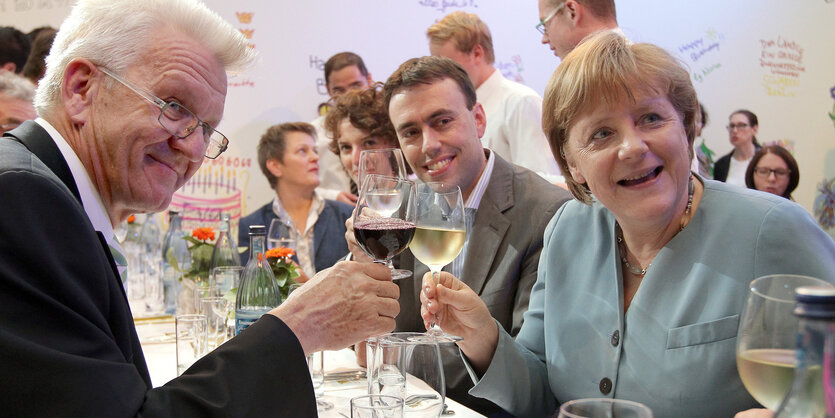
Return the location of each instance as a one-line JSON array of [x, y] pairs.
[[280, 235], [408, 365], [603, 408], [766, 341], [386, 162], [441, 231], [384, 219]]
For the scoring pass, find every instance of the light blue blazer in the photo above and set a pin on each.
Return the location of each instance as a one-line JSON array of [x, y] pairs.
[[674, 349]]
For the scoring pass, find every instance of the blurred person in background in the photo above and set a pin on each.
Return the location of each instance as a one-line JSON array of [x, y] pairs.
[[16, 95], [564, 23], [14, 49], [774, 170], [742, 129], [36, 63]]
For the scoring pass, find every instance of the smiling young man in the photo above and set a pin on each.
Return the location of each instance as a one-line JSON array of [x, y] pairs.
[[432, 105]]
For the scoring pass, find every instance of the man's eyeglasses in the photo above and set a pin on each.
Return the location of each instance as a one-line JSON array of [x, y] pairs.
[[766, 172], [178, 120], [541, 27], [737, 126]]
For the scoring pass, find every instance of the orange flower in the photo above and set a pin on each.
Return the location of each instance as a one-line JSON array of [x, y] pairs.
[[203, 234], [282, 252], [131, 219]]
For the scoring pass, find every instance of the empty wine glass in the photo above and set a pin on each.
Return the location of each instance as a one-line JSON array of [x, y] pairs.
[[384, 219], [603, 408], [408, 365], [441, 231], [280, 235], [766, 341]]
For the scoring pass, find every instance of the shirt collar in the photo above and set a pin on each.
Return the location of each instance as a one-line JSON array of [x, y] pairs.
[[478, 191], [90, 198], [317, 207], [489, 86]]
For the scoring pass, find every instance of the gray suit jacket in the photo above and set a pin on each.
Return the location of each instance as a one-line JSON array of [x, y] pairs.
[[501, 264]]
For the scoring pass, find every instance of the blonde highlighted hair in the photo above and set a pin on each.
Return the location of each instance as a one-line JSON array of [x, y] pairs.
[[465, 30], [606, 69]]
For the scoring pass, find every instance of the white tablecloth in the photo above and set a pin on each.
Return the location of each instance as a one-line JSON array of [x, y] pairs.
[[157, 338]]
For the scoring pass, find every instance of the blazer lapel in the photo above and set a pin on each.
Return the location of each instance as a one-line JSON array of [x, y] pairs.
[[489, 227]]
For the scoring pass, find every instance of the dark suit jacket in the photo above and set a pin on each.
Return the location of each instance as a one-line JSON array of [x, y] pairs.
[[722, 165], [501, 264], [67, 339], [329, 245]]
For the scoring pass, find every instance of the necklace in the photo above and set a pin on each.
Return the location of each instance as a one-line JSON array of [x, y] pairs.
[[638, 271]]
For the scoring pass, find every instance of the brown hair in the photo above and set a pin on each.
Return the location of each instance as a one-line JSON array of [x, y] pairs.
[[606, 69], [604, 9], [274, 142], [428, 70], [342, 60], [791, 163], [465, 30], [365, 110]]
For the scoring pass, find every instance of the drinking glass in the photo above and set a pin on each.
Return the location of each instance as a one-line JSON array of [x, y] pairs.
[[604, 408], [376, 406], [201, 292], [191, 339], [766, 341], [216, 310], [280, 235], [408, 365], [441, 230], [316, 366], [226, 279], [384, 219], [385, 162]]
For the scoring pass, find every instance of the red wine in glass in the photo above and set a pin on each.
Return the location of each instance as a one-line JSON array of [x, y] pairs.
[[383, 238]]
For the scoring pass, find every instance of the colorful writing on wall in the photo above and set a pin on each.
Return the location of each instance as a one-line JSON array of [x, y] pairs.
[[318, 65], [444, 5], [512, 69], [244, 19], [782, 62], [29, 5], [703, 54], [825, 204], [217, 188]]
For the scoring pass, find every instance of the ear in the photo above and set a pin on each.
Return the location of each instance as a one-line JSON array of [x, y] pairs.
[[274, 167], [754, 129], [78, 89], [369, 79], [574, 11], [480, 119], [477, 53], [9, 66]]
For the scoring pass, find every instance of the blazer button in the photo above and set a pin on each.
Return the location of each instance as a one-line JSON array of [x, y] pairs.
[[616, 338], [605, 386]]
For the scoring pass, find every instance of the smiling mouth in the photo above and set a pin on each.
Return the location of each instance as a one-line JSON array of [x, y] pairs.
[[642, 178], [438, 164]]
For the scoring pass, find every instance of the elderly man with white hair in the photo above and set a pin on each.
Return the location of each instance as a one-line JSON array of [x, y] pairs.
[[128, 108], [16, 94]]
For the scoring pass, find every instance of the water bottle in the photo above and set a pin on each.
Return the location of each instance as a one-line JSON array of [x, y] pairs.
[[225, 252], [149, 237], [812, 394], [175, 260], [258, 292]]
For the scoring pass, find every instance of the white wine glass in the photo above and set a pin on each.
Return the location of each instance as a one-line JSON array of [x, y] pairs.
[[280, 235], [603, 408], [408, 365], [385, 162], [766, 341], [383, 234], [441, 232]]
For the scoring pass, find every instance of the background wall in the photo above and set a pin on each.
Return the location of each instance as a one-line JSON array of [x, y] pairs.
[[772, 57]]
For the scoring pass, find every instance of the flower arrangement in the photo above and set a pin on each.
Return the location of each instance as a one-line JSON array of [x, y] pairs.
[[201, 254], [284, 270]]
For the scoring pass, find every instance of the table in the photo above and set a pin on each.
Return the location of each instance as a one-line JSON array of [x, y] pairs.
[[157, 338]]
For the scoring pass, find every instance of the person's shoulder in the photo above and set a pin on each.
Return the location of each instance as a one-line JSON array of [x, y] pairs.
[[16, 158], [341, 208], [517, 89], [256, 215], [533, 186], [738, 199]]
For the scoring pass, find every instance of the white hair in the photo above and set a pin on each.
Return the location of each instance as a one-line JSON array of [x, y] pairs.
[[115, 34], [16, 87]]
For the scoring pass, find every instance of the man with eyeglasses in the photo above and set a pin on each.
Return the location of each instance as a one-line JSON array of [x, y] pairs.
[[565, 23], [128, 109], [16, 94]]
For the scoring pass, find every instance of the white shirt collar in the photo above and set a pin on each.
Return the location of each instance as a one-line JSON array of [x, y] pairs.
[[90, 198], [489, 86], [478, 191]]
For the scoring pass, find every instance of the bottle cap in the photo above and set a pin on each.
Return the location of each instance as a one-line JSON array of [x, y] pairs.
[[815, 302], [257, 230]]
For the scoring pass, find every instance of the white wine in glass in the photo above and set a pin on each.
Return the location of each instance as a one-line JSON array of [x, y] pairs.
[[440, 233], [765, 351]]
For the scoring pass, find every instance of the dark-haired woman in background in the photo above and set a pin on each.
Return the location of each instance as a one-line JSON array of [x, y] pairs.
[[773, 170], [742, 128]]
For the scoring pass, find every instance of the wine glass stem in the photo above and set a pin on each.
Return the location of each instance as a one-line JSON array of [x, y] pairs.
[[436, 278]]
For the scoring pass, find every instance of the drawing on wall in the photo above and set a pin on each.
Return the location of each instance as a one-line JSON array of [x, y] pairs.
[[782, 62], [512, 70], [244, 18], [832, 113], [825, 204], [702, 54], [218, 187], [30, 5]]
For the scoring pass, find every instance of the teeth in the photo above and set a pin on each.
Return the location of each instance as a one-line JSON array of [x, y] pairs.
[[439, 165], [641, 176]]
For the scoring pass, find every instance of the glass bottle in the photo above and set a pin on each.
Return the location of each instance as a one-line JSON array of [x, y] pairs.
[[811, 394], [225, 252], [258, 292], [175, 260], [149, 237]]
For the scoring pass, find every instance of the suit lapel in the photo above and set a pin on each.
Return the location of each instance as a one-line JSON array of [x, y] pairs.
[[490, 226]]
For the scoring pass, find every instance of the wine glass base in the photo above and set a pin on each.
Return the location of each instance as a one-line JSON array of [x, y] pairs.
[[398, 274], [322, 406], [441, 337]]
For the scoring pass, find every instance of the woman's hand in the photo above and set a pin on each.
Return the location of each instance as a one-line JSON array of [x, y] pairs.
[[459, 311], [755, 413], [348, 198]]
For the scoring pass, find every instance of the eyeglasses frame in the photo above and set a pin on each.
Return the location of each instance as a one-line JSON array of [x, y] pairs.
[[208, 131], [737, 127], [541, 26], [769, 171]]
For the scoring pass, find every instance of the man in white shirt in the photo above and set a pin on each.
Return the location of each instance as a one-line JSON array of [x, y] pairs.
[[343, 72], [513, 110], [565, 23]]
